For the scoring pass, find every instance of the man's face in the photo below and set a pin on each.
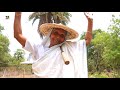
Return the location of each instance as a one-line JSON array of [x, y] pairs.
[[57, 36]]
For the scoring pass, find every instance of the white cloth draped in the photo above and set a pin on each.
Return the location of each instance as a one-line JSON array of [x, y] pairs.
[[51, 64]]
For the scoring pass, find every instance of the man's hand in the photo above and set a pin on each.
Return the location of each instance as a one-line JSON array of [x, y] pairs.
[[88, 15], [18, 13]]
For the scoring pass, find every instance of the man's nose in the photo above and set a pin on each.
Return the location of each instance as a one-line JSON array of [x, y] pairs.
[[57, 37]]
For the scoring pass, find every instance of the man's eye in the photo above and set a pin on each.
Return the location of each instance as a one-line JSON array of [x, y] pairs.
[[55, 33], [62, 35]]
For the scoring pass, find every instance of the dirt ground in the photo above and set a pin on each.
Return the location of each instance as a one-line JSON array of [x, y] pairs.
[[13, 72]]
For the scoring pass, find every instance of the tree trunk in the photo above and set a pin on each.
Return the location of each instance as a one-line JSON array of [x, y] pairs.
[[46, 18]]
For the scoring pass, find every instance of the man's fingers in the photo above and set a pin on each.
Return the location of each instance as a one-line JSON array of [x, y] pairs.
[[88, 14]]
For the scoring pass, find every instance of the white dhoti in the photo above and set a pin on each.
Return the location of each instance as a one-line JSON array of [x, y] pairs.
[[51, 64]]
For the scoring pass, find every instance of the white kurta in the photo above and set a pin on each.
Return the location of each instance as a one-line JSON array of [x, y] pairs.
[[48, 62]]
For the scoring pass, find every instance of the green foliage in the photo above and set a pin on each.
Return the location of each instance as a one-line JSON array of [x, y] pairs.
[[17, 58], [1, 28], [19, 54], [4, 43], [112, 51], [98, 75], [62, 17], [104, 50], [5, 58], [4, 50], [82, 36], [95, 51]]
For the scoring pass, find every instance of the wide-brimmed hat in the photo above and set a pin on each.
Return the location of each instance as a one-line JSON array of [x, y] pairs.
[[45, 29]]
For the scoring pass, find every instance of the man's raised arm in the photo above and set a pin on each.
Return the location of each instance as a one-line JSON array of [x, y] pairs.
[[88, 36], [18, 29]]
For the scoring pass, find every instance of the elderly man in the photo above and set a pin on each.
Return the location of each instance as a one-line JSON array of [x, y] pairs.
[[57, 56]]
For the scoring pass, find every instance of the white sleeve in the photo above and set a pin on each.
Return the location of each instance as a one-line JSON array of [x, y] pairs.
[[84, 68], [30, 47], [80, 50]]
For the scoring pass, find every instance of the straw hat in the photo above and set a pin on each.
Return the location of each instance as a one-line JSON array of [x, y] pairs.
[[45, 29]]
